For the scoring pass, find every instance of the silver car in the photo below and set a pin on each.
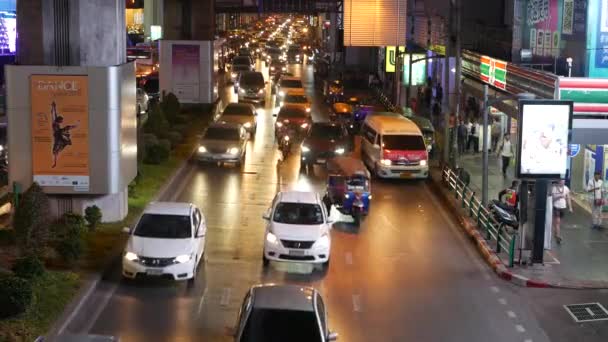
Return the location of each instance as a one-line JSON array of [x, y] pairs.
[[283, 313], [142, 102], [223, 142]]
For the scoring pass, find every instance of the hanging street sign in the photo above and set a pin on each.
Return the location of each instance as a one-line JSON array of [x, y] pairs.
[[573, 150], [493, 72]]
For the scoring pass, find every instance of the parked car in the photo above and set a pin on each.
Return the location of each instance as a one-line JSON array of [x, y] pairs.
[[251, 87], [241, 113], [326, 140], [297, 229], [151, 87], [167, 241], [273, 313], [223, 142]]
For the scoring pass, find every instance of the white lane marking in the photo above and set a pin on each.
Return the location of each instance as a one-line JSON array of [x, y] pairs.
[[225, 299], [348, 258], [102, 305], [590, 312], [520, 328], [502, 301], [200, 303], [495, 289], [357, 303], [528, 340], [182, 185], [511, 314], [388, 223]]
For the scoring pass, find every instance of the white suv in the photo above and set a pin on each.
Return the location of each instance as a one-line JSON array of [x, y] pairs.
[[298, 229], [168, 241]]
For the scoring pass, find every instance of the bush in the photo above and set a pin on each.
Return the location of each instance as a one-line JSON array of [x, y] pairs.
[[171, 107], [150, 139], [74, 224], [70, 248], [71, 245], [93, 216], [181, 119], [175, 138], [157, 122], [16, 295], [31, 220], [158, 153], [29, 267]]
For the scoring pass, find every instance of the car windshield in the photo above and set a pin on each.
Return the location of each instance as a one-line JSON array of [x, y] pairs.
[[273, 325], [242, 60], [164, 226], [403, 142], [151, 86], [291, 84], [296, 98], [298, 213], [252, 78], [237, 110], [330, 132], [273, 51], [241, 67], [2, 135], [292, 113], [218, 133]]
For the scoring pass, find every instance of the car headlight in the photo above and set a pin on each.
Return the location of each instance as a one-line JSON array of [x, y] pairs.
[[271, 68], [233, 150], [1, 148], [247, 125], [233, 74], [346, 196], [339, 150], [281, 103], [305, 149], [202, 149], [281, 93], [423, 162], [323, 241], [242, 91], [284, 68], [279, 124], [307, 109], [180, 259], [271, 238], [386, 162], [261, 91], [304, 125], [131, 256]]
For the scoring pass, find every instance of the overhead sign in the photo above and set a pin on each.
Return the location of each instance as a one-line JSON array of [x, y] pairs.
[[60, 130], [543, 138], [418, 70], [375, 22], [493, 72], [574, 149], [391, 57]]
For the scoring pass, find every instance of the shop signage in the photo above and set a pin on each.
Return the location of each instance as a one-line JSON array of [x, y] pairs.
[[574, 149], [391, 57], [418, 70], [494, 72], [597, 38], [438, 49]]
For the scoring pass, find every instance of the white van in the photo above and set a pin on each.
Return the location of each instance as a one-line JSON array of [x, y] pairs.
[[393, 147]]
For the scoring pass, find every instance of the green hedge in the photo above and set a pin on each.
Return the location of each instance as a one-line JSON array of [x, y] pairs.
[[16, 295], [29, 267]]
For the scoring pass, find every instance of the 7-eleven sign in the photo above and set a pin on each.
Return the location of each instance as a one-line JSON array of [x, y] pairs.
[[494, 72]]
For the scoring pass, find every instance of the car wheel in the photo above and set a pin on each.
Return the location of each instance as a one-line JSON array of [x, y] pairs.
[[192, 280], [265, 260]]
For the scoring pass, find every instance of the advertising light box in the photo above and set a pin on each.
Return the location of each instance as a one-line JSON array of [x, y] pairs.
[[543, 138]]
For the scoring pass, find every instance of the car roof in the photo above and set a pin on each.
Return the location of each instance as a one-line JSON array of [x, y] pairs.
[[291, 78], [240, 105], [296, 91], [299, 197], [292, 107], [283, 297], [225, 125], [386, 124], [168, 208]]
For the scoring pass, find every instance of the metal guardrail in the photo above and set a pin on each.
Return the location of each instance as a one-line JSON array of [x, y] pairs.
[[494, 231], [384, 100]]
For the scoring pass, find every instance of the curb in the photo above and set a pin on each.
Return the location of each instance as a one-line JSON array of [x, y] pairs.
[[494, 261]]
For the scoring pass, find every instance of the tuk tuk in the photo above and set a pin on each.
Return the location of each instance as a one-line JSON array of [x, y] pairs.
[[348, 187]]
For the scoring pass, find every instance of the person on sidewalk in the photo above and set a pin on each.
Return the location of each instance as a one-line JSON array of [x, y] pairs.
[[561, 198], [474, 136], [506, 152], [511, 198], [462, 137], [596, 188], [495, 131], [438, 93]]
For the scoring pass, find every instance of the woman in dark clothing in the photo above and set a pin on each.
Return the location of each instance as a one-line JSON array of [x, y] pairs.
[[61, 135]]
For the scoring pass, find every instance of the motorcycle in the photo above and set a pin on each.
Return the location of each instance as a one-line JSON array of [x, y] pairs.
[[358, 208], [504, 215], [285, 146], [335, 92]]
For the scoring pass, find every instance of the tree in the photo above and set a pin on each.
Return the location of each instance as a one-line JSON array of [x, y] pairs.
[[157, 122], [32, 220]]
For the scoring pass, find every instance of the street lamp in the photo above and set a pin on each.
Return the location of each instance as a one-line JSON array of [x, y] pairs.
[[569, 61]]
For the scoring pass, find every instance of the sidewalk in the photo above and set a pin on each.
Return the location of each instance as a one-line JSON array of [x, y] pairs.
[[579, 262]]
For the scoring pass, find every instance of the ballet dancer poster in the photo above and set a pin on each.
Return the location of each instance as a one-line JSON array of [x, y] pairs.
[[60, 130]]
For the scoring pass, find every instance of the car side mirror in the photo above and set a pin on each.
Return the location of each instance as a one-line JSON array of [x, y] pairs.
[[126, 230], [376, 146], [332, 336], [274, 114], [266, 215], [330, 221]]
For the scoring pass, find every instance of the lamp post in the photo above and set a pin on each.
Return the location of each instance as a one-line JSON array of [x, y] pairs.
[[569, 61]]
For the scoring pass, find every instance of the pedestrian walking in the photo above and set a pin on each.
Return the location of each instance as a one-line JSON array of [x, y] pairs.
[[506, 152], [462, 137], [561, 200], [474, 137], [438, 93], [495, 131], [595, 187]]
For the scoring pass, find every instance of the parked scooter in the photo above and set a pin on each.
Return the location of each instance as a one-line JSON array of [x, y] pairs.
[[504, 215]]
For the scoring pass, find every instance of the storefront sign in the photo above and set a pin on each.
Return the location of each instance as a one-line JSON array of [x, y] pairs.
[[543, 138], [597, 38], [574, 19], [494, 72], [542, 28], [185, 72], [438, 49], [391, 57], [418, 70], [156, 32], [60, 130], [573, 150]]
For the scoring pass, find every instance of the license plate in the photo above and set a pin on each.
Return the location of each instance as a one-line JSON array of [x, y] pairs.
[[154, 272], [321, 161], [297, 252], [406, 174]]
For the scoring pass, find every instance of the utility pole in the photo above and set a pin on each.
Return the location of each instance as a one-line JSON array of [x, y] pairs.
[[484, 144], [457, 79], [446, 73]]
